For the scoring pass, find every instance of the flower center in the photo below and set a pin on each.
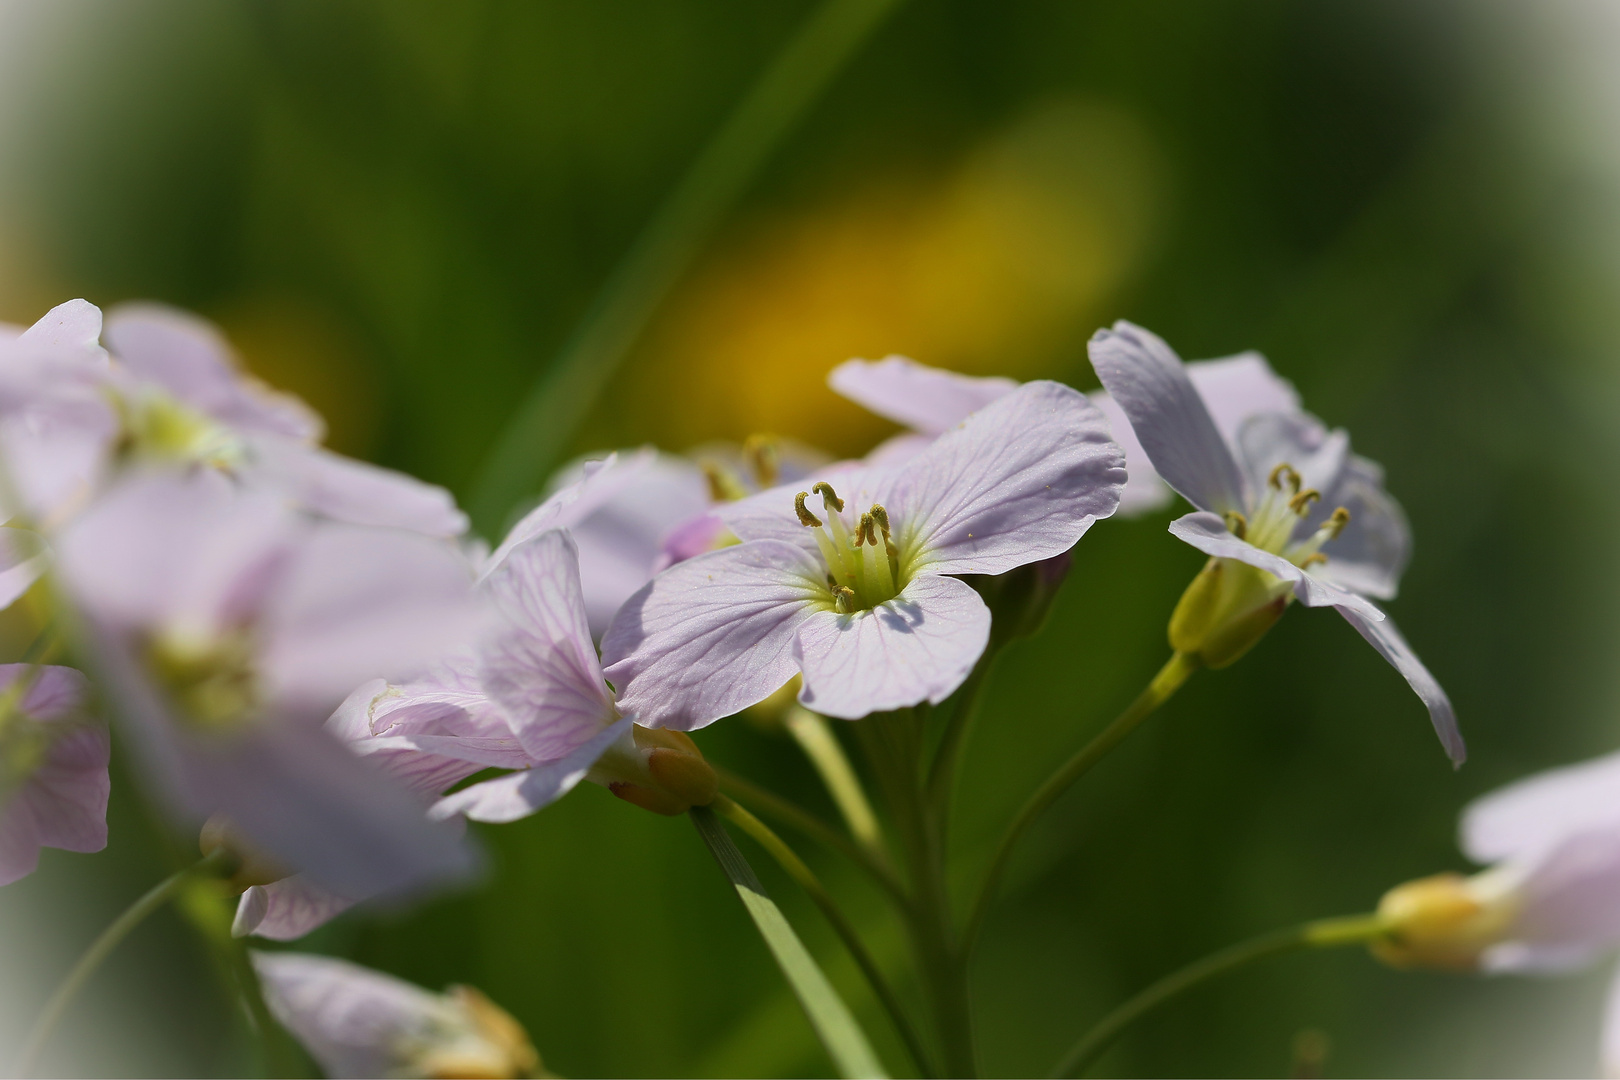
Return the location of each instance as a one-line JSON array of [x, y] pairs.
[[1273, 523], [160, 426], [863, 564], [210, 679]]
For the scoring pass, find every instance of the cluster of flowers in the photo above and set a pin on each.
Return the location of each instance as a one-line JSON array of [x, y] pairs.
[[309, 660]]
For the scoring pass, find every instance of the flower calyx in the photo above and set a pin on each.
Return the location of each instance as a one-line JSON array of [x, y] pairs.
[[1447, 921], [657, 769], [1226, 611], [491, 1044]]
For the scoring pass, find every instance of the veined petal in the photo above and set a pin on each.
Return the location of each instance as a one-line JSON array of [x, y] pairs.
[[428, 764], [1371, 552], [287, 909], [540, 664], [1534, 814], [711, 635], [918, 647], [1168, 416], [1019, 481], [517, 795], [926, 399], [1383, 636], [1209, 534], [1297, 439]]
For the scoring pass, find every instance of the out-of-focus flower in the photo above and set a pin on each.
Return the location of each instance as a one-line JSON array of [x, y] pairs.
[[356, 1022], [53, 767], [174, 396], [931, 401], [863, 604], [428, 734], [1263, 516], [224, 627], [1549, 901]]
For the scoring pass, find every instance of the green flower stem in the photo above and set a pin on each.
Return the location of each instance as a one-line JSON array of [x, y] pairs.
[[834, 1025], [1169, 679], [789, 813], [789, 860], [822, 747], [100, 948], [1322, 934], [894, 744], [540, 430]]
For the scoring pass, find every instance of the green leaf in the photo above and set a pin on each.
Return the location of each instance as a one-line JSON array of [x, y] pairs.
[[829, 1016]]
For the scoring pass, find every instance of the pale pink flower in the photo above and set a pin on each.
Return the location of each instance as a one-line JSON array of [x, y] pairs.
[[1286, 497], [53, 767], [931, 401], [224, 627], [356, 1022], [865, 603]]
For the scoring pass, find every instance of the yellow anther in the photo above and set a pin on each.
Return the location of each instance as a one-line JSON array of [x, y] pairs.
[[1237, 524], [867, 531], [881, 516], [1313, 559], [844, 599], [1284, 474], [760, 451], [723, 486], [829, 497], [806, 518], [1301, 502], [1336, 523]]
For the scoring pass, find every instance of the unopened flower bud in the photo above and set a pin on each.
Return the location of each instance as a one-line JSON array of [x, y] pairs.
[[658, 770], [1446, 921], [253, 867], [1225, 611]]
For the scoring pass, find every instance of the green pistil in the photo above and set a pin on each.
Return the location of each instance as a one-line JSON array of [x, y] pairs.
[[863, 565]]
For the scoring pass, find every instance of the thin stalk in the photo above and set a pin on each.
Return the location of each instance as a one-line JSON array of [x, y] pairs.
[[830, 1018], [544, 423], [1169, 679], [1322, 934], [894, 744], [789, 860], [790, 813], [99, 949], [825, 752]]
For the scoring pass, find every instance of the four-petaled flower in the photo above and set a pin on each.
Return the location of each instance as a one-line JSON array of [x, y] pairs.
[[53, 767], [858, 591], [1285, 512]]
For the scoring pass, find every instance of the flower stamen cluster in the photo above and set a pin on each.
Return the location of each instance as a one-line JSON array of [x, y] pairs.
[[856, 581]]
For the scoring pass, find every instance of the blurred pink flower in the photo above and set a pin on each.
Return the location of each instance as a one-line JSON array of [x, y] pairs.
[[356, 1022], [224, 627], [865, 605], [1286, 496], [931, 401], [53, 767]]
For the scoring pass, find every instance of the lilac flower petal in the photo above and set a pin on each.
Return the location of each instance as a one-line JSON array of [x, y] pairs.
[[354, 1022], [428, 764], [1019, 481], [769, 515], [541, 665], [352, 720], [1300, 440], [517, 795], [1209, 534], [1369, 556], [188, 357], [23, 558], [1382, 635], [711, 635], [598, 485], [1571, 897], [359, 493], [1235, 388], [926, 399], [1144, 491], [57, 443], [286, 910], [897, 449], [1523, 819], [354, 602], [63, 802], [918, 647], [72, 327], [688, 540], [1170, 419]]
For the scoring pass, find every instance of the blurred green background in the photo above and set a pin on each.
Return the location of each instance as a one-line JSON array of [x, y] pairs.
[[402, 210]]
